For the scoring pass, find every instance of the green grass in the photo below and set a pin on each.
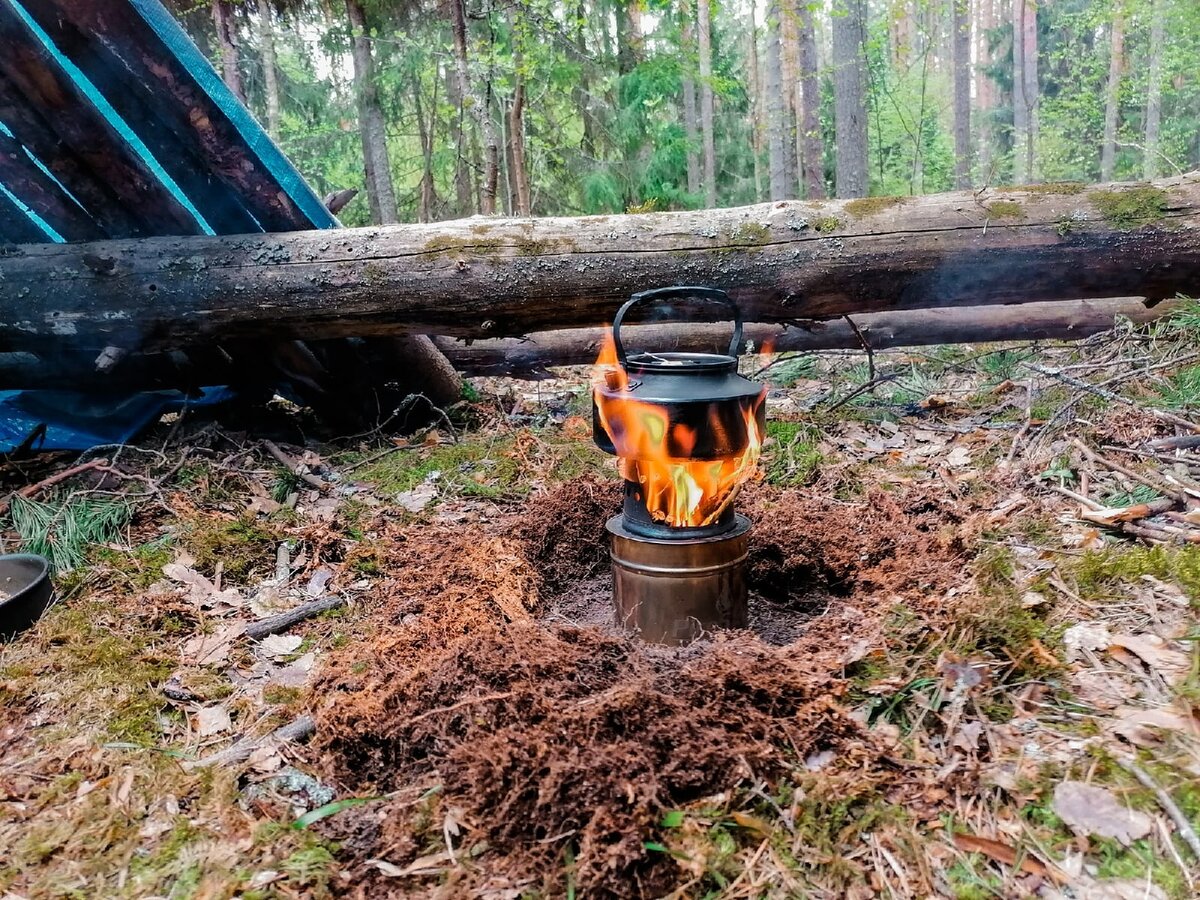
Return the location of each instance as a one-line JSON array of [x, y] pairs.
[[794, 459], [1106, 574], [1182, 390]]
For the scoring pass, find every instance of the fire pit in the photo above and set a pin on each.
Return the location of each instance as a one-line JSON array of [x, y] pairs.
[[687, 431]]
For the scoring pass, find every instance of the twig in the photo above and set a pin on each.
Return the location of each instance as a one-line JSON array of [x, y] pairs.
[[32, 490], [470, 701], [375, 457], [294, 467], [1179, 442], [863, 388], [1177, 496], [1112, 397], [1164, 800], [292, 733], [1067, 492], [862, 339], [275, 624]]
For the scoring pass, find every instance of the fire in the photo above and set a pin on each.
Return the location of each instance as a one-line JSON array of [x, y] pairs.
[[678, 491]]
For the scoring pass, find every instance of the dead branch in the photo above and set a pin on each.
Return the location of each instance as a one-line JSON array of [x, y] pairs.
[[294, 732], [285, 620]]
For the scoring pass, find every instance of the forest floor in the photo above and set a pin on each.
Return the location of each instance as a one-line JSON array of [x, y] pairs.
[[972, 669]]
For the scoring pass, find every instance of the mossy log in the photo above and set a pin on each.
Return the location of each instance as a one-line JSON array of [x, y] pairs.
[[504, 277]]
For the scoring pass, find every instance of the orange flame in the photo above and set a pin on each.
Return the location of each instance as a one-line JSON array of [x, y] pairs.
[[679, 492]]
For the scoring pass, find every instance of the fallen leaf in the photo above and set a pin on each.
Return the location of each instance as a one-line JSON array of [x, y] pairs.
[[1033, 599], [212, 720], [1003, 853], [318, 581], [1173, 665], [967, 738], [280, 644], [418, 498], [211, 649], [1088, 809], [1086, 636], [1138, 726], [958, 457]]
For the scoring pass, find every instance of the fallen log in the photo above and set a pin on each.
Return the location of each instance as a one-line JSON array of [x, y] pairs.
[[530, 356], [499, 277], [1063, 320]]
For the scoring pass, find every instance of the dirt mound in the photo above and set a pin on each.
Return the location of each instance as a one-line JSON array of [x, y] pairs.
[[540, 739], [563, 531], [804, 547]]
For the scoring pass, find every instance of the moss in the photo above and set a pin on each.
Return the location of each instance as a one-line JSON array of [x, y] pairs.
[[868, 206], [1131, 207], [1106, 574], [825, 224], [1050, 187], [750, 234], [1005, 209], [445, 243], [241, 546]]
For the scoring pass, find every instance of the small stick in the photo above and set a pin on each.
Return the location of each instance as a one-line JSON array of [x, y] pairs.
[[470, 701], [283, 563], [1095, 457], [1164, 800], [1179, 442], [294, 467], [1067, 492], [725, 504], [862, 339], [292, 733], [275, 624], [1115, 398], [33, 490]]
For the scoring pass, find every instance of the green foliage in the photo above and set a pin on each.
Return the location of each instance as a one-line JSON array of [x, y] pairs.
[[794, 458], [1132, 207], [63, 529]]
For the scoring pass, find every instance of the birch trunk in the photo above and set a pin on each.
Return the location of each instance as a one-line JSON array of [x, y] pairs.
[[1112, 95]]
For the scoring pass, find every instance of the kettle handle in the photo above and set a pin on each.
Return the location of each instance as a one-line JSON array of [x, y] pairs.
[[679, 292]]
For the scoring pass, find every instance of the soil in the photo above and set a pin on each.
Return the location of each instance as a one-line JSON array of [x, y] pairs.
[[498, 696]]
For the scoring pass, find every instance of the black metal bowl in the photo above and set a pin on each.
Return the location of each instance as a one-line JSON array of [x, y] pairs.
[[25, 592]]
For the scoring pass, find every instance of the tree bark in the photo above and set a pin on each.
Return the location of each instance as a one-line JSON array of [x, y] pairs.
[[266, 32], [776, 109], [850, 110], [961, 30], [425, 135], [371, 122], [1112, 94], [1152, 164], [691, 118], [460, 137], [1062, 320], [226, 29], [808, 124], [985, 88], [781, 261], [704, 29]]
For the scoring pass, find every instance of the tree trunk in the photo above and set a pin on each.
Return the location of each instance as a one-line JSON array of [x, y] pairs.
[[425, 134], [519, 174], [460, 137], [1112, 95], [583, 93], [226, 29], [850, 111], [1062, 320], [1025, 89], [530, 356], [808, 125], [757, 111], [704, 29], [270, 74], [691, 118], [961, 30], [985, 89], [781, 261], [480, 105], [776, 109], [371, 123], [790, 73], [1152, 163]]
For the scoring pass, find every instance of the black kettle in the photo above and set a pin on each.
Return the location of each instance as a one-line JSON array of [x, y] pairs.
[[703, 405]]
